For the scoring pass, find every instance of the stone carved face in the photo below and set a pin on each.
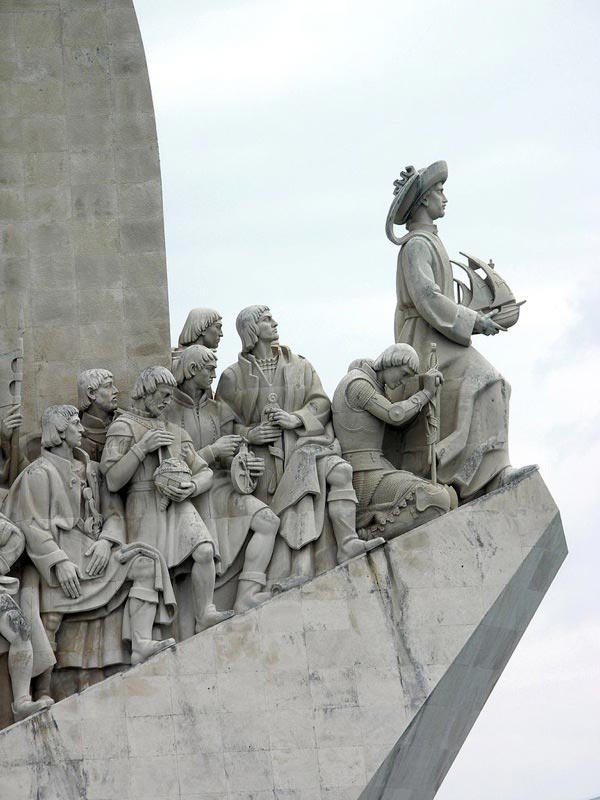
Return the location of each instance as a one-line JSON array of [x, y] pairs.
[[267, 328], [392, 377], [435, 201], [105, 396], [204, 376], [156, 402], [212, 335], [73, 431]]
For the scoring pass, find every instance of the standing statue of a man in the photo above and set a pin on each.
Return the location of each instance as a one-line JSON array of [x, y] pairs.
[[137, 443], [279, 397], [473, 449], [74, 531], [241, 524]]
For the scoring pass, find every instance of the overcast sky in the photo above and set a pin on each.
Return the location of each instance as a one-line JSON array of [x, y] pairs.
[[282, 125]]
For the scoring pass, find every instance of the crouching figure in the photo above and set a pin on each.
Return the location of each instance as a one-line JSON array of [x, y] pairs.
[[390, 501], [74, 532]]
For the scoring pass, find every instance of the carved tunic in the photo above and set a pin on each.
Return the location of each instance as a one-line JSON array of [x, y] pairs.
[[227, 514], [474, 396], [94, 437]]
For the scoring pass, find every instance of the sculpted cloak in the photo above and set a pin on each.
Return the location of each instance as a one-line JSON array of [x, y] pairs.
[[474, 403]]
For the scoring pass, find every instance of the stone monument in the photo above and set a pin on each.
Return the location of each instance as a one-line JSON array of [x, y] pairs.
[[261, 593]]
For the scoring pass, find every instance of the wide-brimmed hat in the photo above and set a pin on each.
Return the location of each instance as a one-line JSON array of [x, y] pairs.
[[408, 190]]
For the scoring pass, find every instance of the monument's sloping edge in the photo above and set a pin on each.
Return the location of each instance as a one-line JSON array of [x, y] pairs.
[[394, 653], [418, 763]]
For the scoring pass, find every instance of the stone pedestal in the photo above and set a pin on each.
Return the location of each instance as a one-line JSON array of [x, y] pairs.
[[81, 229], [362, 683]]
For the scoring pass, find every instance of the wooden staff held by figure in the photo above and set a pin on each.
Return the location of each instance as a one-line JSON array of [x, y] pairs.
[[15, 388], [433, 418]]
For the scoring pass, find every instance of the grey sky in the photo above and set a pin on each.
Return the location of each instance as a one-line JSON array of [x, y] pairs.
[[281, 128]]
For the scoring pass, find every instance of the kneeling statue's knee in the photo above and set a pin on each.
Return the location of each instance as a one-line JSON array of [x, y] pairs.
[[340, 476], [203, 554], [16, 624], [142, 568], [265, 521]]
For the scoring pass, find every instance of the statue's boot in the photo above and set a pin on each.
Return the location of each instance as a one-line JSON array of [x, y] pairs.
[[24, 706], [141, 620], [343, 521], [509, 475], [212, 617], [249, 592]]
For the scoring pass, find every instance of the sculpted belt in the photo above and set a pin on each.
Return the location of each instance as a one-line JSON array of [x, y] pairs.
[[142, 486], [409, 313]]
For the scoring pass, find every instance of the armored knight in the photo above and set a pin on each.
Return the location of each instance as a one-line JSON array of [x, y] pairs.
[[472, 454], [390, 501]]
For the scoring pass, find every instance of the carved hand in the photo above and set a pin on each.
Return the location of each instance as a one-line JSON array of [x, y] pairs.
[[285, 420], [14, 419], [265, 433], [68, 576], [99, 554], [486, 325], [153, 440], [179, 493], [431, 380], [256, 466], [226, 446]]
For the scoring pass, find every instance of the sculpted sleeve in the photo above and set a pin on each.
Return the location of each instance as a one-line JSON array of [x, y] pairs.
[[29, 506], [449, 318], [121, 456], [316, 411], [202, 475]]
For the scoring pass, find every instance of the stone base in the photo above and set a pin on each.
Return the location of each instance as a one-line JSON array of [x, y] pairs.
[[362, 683]]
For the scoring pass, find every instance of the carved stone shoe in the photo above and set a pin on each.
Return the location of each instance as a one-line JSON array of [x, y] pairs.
[[212, 617], [249, 593], [356, 547], [149, 647], [25, 707], [509, 475]]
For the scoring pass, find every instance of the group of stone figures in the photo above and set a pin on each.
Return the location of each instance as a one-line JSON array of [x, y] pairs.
[[143, 526]]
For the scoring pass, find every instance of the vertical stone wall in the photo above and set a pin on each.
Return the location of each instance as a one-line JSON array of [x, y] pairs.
[[81, 226]]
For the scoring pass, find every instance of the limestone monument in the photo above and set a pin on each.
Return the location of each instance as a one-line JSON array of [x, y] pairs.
[[257, 594]]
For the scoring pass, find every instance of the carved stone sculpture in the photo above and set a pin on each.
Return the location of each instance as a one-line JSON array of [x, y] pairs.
[[11, 422], [472, 454], [229, 515], [390, 501], [278, 396], [97, 399], [202, 326], [29, 651], [136, 443], [75, 536]]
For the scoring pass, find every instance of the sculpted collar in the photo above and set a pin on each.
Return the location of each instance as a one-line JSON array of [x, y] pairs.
[[64, 465], [185, 399], [422, 226]]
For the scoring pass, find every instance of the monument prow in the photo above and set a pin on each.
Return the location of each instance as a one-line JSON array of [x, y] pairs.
[[365, 680]]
